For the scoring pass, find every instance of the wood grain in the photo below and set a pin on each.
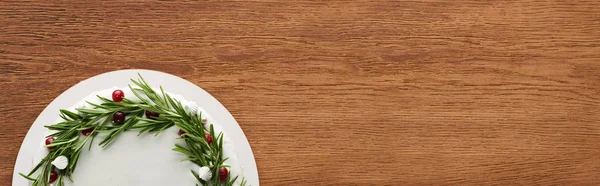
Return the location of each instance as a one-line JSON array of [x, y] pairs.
[[364, 92]]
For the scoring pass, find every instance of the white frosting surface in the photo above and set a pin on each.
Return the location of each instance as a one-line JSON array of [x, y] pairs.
[[145, 160]]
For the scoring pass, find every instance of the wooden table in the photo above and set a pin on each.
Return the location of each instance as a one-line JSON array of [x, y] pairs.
[[342, 92]]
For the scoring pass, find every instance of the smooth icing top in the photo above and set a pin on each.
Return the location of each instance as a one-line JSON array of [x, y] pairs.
[[145, 160]]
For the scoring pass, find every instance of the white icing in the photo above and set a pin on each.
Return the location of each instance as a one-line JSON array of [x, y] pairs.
[[60, 162], [191, 108], [204, 173], [145, 160]]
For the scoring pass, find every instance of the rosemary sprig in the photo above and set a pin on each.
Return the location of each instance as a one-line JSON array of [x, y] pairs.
[[171, 113]]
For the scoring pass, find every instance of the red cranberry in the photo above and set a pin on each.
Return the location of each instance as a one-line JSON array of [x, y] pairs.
[[151, 115], [53, 176], [181, 132], [118, 95], [119, 117], [87, 132], [208, 138], [48, 141], [223, 172]]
